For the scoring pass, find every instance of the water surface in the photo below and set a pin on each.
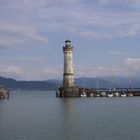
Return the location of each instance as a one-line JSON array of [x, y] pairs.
[[39, 115]]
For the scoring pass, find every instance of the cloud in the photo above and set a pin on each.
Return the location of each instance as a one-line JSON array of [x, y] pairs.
[[98, 71], [33, 59], [133, 30], [120, 3], [55, 72], [95, 35], [119, 53], [135, 62], [129, 68], [29, 23], [84, 18], [17, 35], [27, 72], [12, 71]]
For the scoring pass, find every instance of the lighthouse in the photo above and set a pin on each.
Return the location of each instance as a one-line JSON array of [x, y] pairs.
[[68, 88], [68, 79]]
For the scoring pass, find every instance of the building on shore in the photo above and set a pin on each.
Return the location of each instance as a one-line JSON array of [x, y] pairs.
[[69, 89], [4, 93]]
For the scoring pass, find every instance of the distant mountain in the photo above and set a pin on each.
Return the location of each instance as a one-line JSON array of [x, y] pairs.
[[83, 82], [121, 82], [54, 81], [136, 84], [118, 82], [91, 83], [28, 85]]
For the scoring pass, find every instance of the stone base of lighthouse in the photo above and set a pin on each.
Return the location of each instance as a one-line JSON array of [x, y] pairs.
[[68, 92]]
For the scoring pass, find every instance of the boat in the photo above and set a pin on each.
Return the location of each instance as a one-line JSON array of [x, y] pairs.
[[103, 94], [83, 94], [117, 94], [130, 94], [123, 94], [91, 94], [110, 94], [97, 93]]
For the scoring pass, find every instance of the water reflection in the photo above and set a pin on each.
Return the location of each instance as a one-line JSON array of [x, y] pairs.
[[41, 116]]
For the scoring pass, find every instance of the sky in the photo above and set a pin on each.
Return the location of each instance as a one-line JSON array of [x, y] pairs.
[[105, 35]]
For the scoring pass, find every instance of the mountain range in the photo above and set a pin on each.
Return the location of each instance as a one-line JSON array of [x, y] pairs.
[[84, 82]]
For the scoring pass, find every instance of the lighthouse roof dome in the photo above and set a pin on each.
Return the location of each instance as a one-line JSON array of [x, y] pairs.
[[68, 43]]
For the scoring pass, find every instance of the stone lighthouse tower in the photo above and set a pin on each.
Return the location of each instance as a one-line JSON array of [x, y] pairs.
[[68, 89], [68, 80]]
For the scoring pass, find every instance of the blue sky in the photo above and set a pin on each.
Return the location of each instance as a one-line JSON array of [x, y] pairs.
[[105, 35]]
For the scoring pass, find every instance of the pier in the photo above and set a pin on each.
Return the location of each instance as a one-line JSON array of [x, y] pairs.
[[85, 92], [125, 92]]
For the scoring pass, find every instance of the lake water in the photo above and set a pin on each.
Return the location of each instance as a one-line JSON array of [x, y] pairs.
[[39, 115]]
